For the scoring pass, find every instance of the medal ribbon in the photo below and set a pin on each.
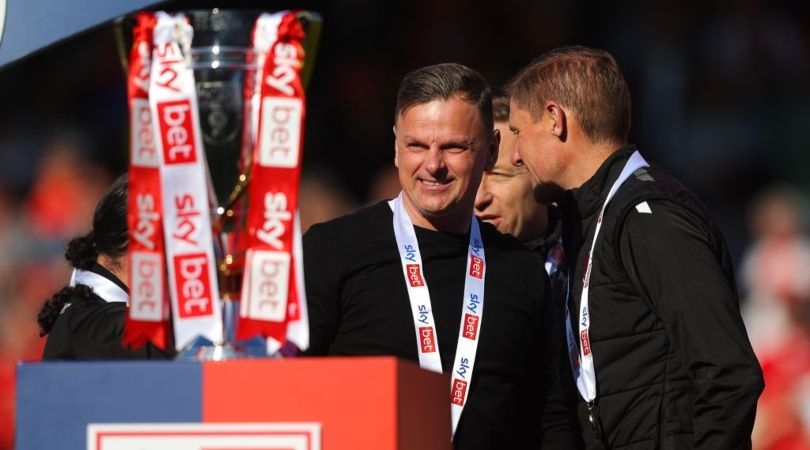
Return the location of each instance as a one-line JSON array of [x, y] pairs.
[[184, 183], [273, 299], [424, 324], [148, 316]]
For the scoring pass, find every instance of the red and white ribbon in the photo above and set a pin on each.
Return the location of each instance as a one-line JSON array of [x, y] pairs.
[[425, 327], [184, 182], [273, 299], [148, 310]]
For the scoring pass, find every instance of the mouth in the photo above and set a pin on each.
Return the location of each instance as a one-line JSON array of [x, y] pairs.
[[434, 183], [489, 218]]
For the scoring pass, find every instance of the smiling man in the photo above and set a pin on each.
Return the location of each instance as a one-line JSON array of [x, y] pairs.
[[401, 277], [659, 351]]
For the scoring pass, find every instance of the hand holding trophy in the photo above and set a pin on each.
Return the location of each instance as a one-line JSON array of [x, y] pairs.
[[217, 109]]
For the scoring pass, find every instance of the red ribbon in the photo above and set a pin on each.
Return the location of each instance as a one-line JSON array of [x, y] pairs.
[[273, 192], [147, 319]]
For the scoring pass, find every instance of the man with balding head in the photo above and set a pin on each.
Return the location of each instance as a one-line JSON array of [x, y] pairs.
[[658, 349]]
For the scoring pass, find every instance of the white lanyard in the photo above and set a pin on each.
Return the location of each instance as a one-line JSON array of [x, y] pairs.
[[424, 325], [583, 367], [101, 285]]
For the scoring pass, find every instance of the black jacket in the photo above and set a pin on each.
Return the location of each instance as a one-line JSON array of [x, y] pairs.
[[674, 366], [92, 329]]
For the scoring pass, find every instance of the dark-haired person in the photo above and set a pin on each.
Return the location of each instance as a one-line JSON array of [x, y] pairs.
[[664, 361], [85, 320], [419, 277]]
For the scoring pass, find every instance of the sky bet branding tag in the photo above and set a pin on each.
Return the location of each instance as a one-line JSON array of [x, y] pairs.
[[177, 132], [470, 326], [193, 287], [427, 339], [458, 392], [477, 267], [147, 286], [269, 285], [144, 153], [414, 275], [281, 132], [586, 343]]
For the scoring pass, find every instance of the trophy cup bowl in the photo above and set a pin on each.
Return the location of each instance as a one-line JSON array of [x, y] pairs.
[[223, 62]]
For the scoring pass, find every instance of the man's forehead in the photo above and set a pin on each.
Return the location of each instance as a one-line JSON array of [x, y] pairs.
[[455, 104], [452, 118]]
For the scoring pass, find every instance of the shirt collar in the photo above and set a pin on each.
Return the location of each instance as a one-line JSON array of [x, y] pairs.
[[586, 200]]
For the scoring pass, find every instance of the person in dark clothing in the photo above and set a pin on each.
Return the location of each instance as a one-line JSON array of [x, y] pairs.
[[401, 277], [85, 320], [658, 348]]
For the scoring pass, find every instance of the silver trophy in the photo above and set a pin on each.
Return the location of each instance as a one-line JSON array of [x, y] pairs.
[[223, 61]]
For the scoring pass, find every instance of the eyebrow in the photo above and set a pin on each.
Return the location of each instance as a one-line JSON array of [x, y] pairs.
[[514, 129], [451, 143]]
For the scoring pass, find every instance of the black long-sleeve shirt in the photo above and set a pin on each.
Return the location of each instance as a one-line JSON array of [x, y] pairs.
[[358, 305]]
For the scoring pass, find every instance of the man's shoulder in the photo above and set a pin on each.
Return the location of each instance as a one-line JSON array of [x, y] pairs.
[[361, 221]]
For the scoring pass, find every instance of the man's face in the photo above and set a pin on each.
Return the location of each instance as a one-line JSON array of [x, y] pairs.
[[441, 151], [538, 148], [505, 197]]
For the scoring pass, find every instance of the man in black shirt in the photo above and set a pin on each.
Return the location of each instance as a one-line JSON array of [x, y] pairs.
[[397, 278], [658, 348]]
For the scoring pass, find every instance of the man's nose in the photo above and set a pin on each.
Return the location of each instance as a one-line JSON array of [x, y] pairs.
[[483, 198], [516, 159], [434, 160]]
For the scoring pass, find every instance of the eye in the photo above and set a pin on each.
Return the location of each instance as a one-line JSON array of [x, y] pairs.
[[501, 175], [416, 146]]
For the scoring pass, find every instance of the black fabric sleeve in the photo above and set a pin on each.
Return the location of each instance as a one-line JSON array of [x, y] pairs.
[[322, 280], [668, 256], [559, 422], [96, 332]]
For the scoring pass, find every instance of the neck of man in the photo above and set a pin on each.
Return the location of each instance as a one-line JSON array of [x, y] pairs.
[[588, 160]]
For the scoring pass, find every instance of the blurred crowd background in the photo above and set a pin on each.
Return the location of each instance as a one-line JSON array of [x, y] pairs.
[[721, 92]]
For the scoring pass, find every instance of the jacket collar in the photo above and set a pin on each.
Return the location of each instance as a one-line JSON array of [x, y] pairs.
[[586, 200]]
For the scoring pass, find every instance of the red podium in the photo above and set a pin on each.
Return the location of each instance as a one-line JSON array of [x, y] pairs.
[[368, 403], [362, 403]]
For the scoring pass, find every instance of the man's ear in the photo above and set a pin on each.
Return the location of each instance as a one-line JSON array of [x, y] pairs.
[[558, 118], [492, 150], [396, 153]]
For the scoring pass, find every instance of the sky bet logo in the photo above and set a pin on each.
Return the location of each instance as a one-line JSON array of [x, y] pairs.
[[459, 388], [193, 287], [458, 392], [470, 326], [414, 275], [176, 132], [586, 343], [427, 340], [477, 267]]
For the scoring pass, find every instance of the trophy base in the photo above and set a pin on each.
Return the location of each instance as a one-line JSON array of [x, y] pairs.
[[201, 349]]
